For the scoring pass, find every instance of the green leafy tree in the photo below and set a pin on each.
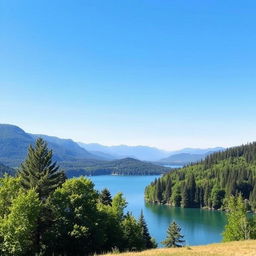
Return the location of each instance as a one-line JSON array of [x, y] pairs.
[[174, 237], [218, 196], [133, 238], [105, 197], [39, 172], [238, 226], [148, 241], [9, 189], [118, 205], [17, 227], [75, 230]]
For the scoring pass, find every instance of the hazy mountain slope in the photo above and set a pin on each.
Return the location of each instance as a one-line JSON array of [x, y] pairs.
[[183, 158], [65, 149], [14, 143], [197, 150], [104, 156], [6, 170], [143, 153], [189, 155]]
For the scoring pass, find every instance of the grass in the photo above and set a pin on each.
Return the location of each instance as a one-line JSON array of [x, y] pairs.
[[247, 248]]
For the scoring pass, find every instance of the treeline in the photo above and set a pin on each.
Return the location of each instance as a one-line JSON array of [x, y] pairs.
[[210, 182], [126, 166], [43, 213]]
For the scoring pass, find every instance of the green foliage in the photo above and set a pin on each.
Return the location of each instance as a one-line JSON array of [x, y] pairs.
[[42, 214], [127, 166], [75, 211], [238, 226], [174, 237], [19, 223], [210, 182], [133, 236], [9, 189], [105, 197], [39, 172], [147, 239]]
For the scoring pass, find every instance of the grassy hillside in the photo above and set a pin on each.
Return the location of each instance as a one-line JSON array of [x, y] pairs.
[[222, 249]]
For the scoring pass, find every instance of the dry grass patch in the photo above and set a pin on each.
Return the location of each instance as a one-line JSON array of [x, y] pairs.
[[247, 248]]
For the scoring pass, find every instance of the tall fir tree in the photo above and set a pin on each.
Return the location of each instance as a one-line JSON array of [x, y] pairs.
[[149, 244], [105, 197], [174, 237], [39, 172]]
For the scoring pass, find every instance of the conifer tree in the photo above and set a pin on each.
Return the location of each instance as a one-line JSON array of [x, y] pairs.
[[39, 172], [174, 237], [145, 233], [105, 197]]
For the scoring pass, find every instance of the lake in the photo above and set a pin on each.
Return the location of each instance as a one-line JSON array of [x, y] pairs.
[[198, 226]]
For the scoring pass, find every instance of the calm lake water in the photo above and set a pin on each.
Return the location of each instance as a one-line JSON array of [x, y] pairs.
[[198, 226]]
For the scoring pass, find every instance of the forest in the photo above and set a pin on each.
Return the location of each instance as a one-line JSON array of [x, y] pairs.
[[208, 183], [44, 213], [126, 166]]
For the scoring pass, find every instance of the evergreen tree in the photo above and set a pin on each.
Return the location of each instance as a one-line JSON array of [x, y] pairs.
[[39, 172], [105, 197], [174, 237], [133, 239], [145, 233]]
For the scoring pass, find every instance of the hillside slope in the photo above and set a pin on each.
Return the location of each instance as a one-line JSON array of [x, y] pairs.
[[210, 182], [222, 249], [127, 166], [183, 158], [143, 153], [6, 170], [14, 143]]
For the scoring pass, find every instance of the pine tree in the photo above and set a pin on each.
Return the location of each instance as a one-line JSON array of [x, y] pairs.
[[39, 172], [145, 233], [105, 197], [174, 237]]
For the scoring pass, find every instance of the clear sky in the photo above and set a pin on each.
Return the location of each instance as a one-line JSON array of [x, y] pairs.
[[165, 73]]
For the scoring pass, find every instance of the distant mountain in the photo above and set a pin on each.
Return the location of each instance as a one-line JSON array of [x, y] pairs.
[[143, 153], [65, 149], [104, 156], [183, 158], [152, 154], [6, 170], [197, 150], [127, 166], [14, 143], [189, 155]]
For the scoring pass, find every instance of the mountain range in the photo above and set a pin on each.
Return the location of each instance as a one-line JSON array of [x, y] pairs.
[[14, 143], [145, 153]]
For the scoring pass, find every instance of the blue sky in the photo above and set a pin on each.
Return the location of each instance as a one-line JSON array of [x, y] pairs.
[[169, 74]]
